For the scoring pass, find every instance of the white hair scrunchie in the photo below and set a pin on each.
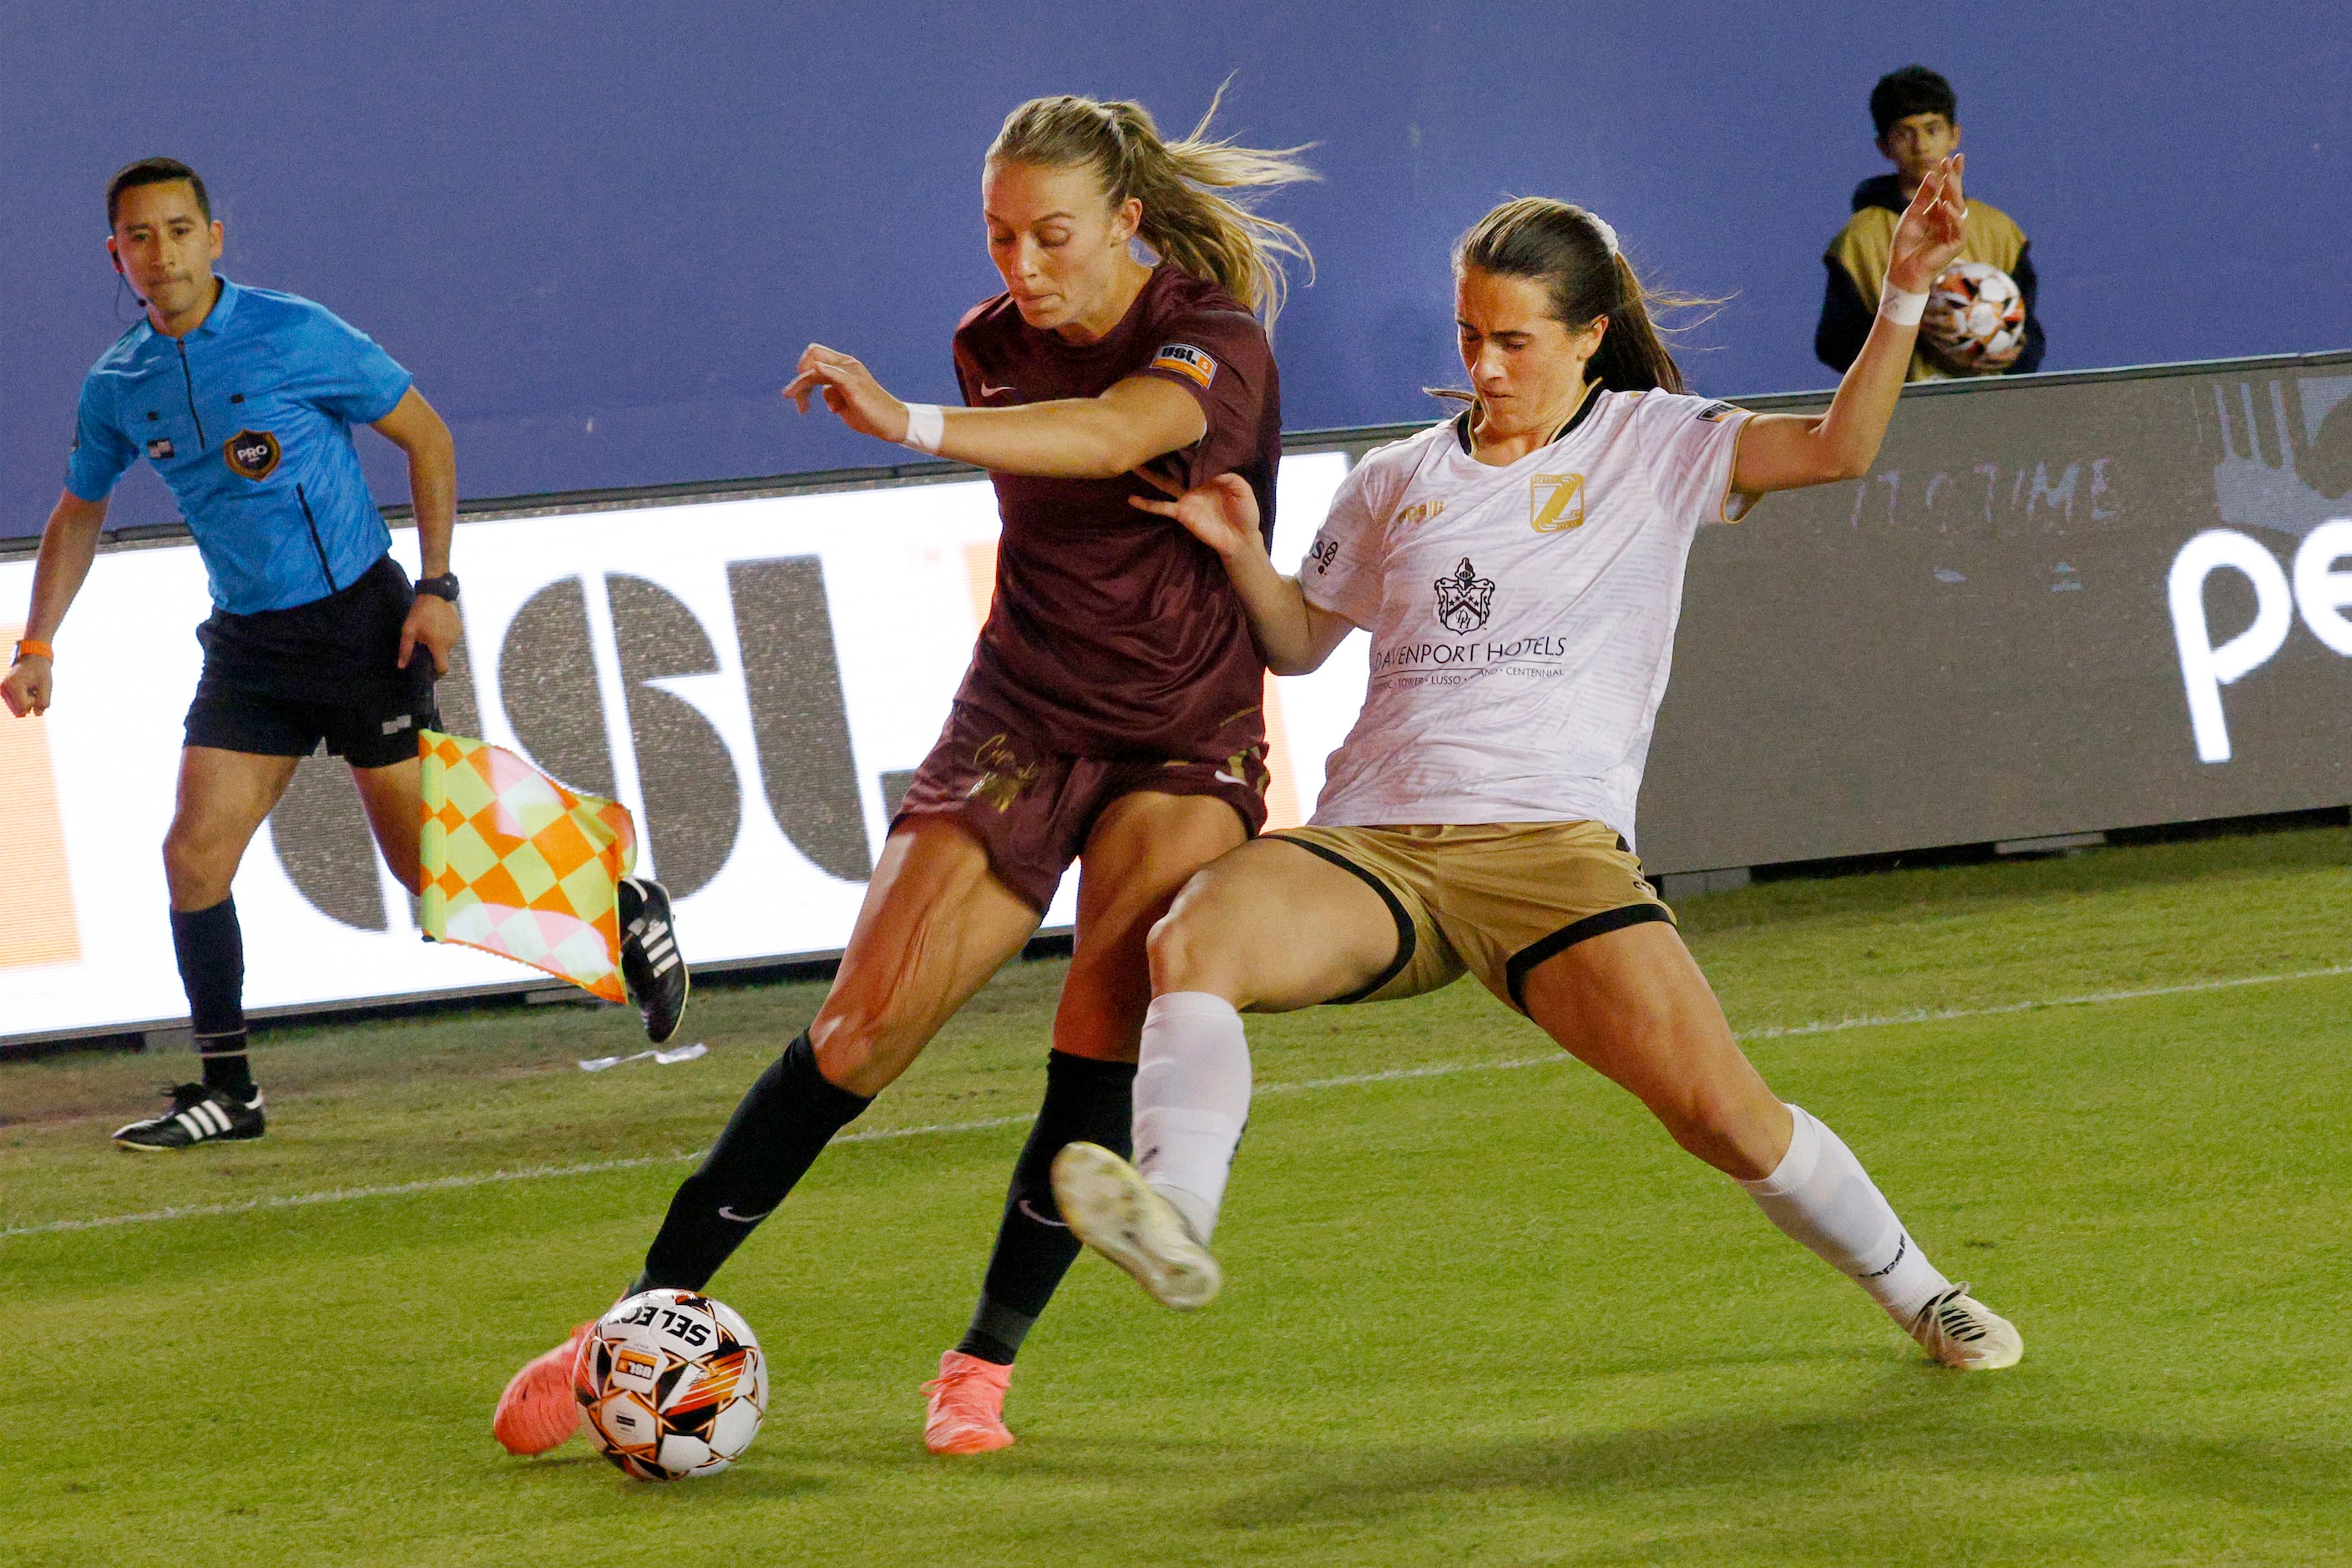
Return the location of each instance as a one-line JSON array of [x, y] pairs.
[[1608, 235]]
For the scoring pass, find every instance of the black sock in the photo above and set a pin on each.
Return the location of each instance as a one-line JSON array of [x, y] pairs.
[[790, 1114], [1085, 1102], [211, 950], [226, 1067]]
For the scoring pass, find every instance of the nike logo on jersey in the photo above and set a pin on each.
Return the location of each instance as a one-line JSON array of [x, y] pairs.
[[988, 390], [1041, 1219], [726, 1213]]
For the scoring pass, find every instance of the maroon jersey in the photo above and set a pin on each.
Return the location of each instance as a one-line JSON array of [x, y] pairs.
[[1114, 632]]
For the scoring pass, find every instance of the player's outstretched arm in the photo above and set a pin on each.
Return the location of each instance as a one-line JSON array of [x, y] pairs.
[[68, 545], [1786, 451], [1292, 635], [1139, 419], [415, 427]]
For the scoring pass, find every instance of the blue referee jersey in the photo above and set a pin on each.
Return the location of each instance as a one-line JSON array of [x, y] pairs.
[[248, 418]]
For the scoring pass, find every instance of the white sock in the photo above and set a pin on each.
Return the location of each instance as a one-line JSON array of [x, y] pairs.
[[1821, 1195], [1191, 1098]]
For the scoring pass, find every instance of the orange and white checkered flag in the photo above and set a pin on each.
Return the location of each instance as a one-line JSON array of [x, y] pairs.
[[517, 865]]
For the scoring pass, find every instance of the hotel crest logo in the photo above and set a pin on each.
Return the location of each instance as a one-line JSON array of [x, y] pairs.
[[1465, 599]]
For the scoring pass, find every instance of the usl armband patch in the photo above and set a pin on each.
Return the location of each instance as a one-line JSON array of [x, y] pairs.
[[1187, 362]]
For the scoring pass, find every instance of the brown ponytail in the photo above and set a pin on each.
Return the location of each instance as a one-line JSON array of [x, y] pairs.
[[1575, 255], [1185, 221]]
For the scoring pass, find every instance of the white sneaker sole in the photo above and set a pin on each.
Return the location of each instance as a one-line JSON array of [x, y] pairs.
[[1110, 1207]]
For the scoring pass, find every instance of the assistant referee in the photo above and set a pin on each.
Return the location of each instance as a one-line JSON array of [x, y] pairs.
[[243, 399]]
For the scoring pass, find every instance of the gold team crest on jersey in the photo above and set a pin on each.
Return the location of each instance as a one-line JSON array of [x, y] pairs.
[[1556, 503]]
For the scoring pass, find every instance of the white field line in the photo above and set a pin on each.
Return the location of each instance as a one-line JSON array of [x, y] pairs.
[[1350, 1080], [2096, 998]]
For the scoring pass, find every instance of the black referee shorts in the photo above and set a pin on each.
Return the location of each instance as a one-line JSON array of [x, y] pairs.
[[374, 734], [279, 682]]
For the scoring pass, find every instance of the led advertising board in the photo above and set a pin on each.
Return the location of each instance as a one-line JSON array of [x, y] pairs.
[[2056, 605], [755, 680]]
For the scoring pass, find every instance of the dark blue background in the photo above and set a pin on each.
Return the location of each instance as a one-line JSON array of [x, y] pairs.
[[600, 232]]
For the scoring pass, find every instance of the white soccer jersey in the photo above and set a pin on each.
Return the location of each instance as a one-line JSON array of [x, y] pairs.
[[1522, 617]]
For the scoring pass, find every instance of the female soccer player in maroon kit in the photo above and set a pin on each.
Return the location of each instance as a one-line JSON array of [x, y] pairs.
[[1111, 711]]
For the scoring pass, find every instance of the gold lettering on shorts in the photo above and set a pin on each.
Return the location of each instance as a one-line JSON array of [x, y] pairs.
[[1248, 768], [1003, 776]]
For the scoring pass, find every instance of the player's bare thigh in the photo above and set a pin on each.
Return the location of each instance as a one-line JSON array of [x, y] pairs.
[[1271, 926], [936, 924], [1140, 851], [1633, 1006], [394, 799], [223, 798]]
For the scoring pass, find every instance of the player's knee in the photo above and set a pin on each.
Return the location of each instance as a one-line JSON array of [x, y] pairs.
[[1716, 1124], [1180, 949], [191, 862], [846, 1053], [863, 1044]]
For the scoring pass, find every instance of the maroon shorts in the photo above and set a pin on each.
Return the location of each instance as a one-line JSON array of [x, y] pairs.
[[1032, 808]]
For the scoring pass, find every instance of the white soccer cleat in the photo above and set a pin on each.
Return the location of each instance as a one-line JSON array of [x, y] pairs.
[[1110, 1207], [1960, 1331]]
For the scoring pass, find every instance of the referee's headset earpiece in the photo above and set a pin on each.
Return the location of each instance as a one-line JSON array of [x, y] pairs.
[[122, 285]]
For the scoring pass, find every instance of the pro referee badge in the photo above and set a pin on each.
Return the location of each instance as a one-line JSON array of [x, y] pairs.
[[253, 453], [1556, 503]]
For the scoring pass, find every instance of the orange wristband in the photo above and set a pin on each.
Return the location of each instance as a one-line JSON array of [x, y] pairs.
[[31, 645]]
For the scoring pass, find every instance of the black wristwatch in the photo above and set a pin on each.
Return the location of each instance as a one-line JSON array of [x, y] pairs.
[[445, 586]]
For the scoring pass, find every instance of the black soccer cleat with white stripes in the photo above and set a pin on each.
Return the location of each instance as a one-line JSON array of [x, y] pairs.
[[197, 1115], [650, 961]]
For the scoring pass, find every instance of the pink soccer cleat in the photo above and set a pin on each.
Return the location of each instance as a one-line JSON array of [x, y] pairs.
[[967, 1412], [539, 1410]]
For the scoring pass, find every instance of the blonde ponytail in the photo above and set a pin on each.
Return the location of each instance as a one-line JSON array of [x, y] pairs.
[[1185, 219]]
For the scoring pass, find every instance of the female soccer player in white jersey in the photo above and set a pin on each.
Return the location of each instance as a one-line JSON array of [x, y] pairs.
[[1519, 570], [1112, 708]]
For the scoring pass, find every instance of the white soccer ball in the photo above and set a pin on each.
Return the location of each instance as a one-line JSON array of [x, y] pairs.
[[1975, 319], [672, 1384]]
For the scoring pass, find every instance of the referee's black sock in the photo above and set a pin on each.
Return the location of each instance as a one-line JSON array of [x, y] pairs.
[[211, 950], [790, 1114], [1085, 1102]]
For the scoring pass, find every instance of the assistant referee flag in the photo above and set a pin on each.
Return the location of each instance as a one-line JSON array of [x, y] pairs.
[[517, 865]]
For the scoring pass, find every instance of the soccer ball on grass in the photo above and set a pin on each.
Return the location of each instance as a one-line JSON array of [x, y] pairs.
[[672, 1384]]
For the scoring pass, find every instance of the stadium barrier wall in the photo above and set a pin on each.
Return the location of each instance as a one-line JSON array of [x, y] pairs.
[[2059, 604]]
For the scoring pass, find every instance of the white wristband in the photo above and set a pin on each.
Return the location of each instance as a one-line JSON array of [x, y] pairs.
[[1901, 308], [927, 425]]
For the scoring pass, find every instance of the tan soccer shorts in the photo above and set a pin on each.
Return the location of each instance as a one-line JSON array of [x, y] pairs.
[[1492, 898]]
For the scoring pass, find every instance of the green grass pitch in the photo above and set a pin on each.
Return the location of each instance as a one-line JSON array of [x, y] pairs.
[[1486, 1314]]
